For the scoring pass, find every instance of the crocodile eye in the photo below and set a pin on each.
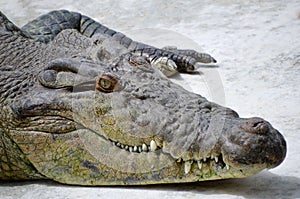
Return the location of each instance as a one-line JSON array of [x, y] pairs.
[[106, 83]]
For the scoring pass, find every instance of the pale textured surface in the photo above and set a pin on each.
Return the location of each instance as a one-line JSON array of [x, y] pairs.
[[258, 47]]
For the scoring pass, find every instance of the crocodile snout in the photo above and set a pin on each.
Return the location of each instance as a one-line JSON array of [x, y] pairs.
[[255, 142]]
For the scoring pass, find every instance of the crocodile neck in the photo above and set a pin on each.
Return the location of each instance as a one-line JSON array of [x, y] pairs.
[[14, 165]]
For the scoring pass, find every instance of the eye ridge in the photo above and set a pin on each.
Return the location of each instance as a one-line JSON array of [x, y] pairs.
[[136, 60]]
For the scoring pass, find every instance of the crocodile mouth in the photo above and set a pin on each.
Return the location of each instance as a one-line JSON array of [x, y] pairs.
[[218, 159], [203, 165]]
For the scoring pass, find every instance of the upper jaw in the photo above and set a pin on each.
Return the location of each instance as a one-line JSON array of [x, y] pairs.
[[245, 145]]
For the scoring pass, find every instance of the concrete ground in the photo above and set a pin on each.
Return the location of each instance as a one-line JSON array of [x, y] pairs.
[[257, 46]]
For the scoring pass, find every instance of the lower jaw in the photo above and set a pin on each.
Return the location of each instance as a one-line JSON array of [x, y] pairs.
[[147, 167]]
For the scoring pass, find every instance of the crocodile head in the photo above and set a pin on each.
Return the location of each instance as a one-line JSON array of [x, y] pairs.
[[72, 118], [89, 123]]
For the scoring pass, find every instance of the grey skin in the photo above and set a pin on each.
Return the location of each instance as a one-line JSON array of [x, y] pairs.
[[87, 109]]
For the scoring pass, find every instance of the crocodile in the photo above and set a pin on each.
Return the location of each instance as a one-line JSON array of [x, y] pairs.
[[85, 105]]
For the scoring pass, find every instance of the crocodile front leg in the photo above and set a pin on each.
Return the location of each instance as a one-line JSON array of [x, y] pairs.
[[168, 60]]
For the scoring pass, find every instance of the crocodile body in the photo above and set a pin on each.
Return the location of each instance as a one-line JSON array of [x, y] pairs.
[[83, 104]]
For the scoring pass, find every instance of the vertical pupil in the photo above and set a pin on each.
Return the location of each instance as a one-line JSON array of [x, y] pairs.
[[105, 83]]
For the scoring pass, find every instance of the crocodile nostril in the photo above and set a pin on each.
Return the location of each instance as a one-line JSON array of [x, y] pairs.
[[256, 126]]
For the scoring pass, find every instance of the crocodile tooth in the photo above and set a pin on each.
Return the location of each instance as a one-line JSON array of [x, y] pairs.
[[126, 147], [135, 148], [130, 149], [153, 145], [212, 157], [216, 159], [122, 146], [118, 144], [187, 166], [114, 143], [199, 164], [227, 166], [144, 147], [140, 149], [204, 159]]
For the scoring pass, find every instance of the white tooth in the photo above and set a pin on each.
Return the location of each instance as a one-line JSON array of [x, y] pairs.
[[187, 166], [113, 143], [140, 149], [135, 148], [204, 159], [153, 145], [216, 159], [212, 157], [122, 146], [126, 147], [118, 144], [130, 149], [144, 147], [199, 164], [227, 166]]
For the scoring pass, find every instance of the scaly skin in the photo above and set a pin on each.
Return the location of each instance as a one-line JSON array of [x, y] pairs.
[[80, 109]]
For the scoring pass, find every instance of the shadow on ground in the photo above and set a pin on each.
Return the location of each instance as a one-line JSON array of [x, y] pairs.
[[263, 185]]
